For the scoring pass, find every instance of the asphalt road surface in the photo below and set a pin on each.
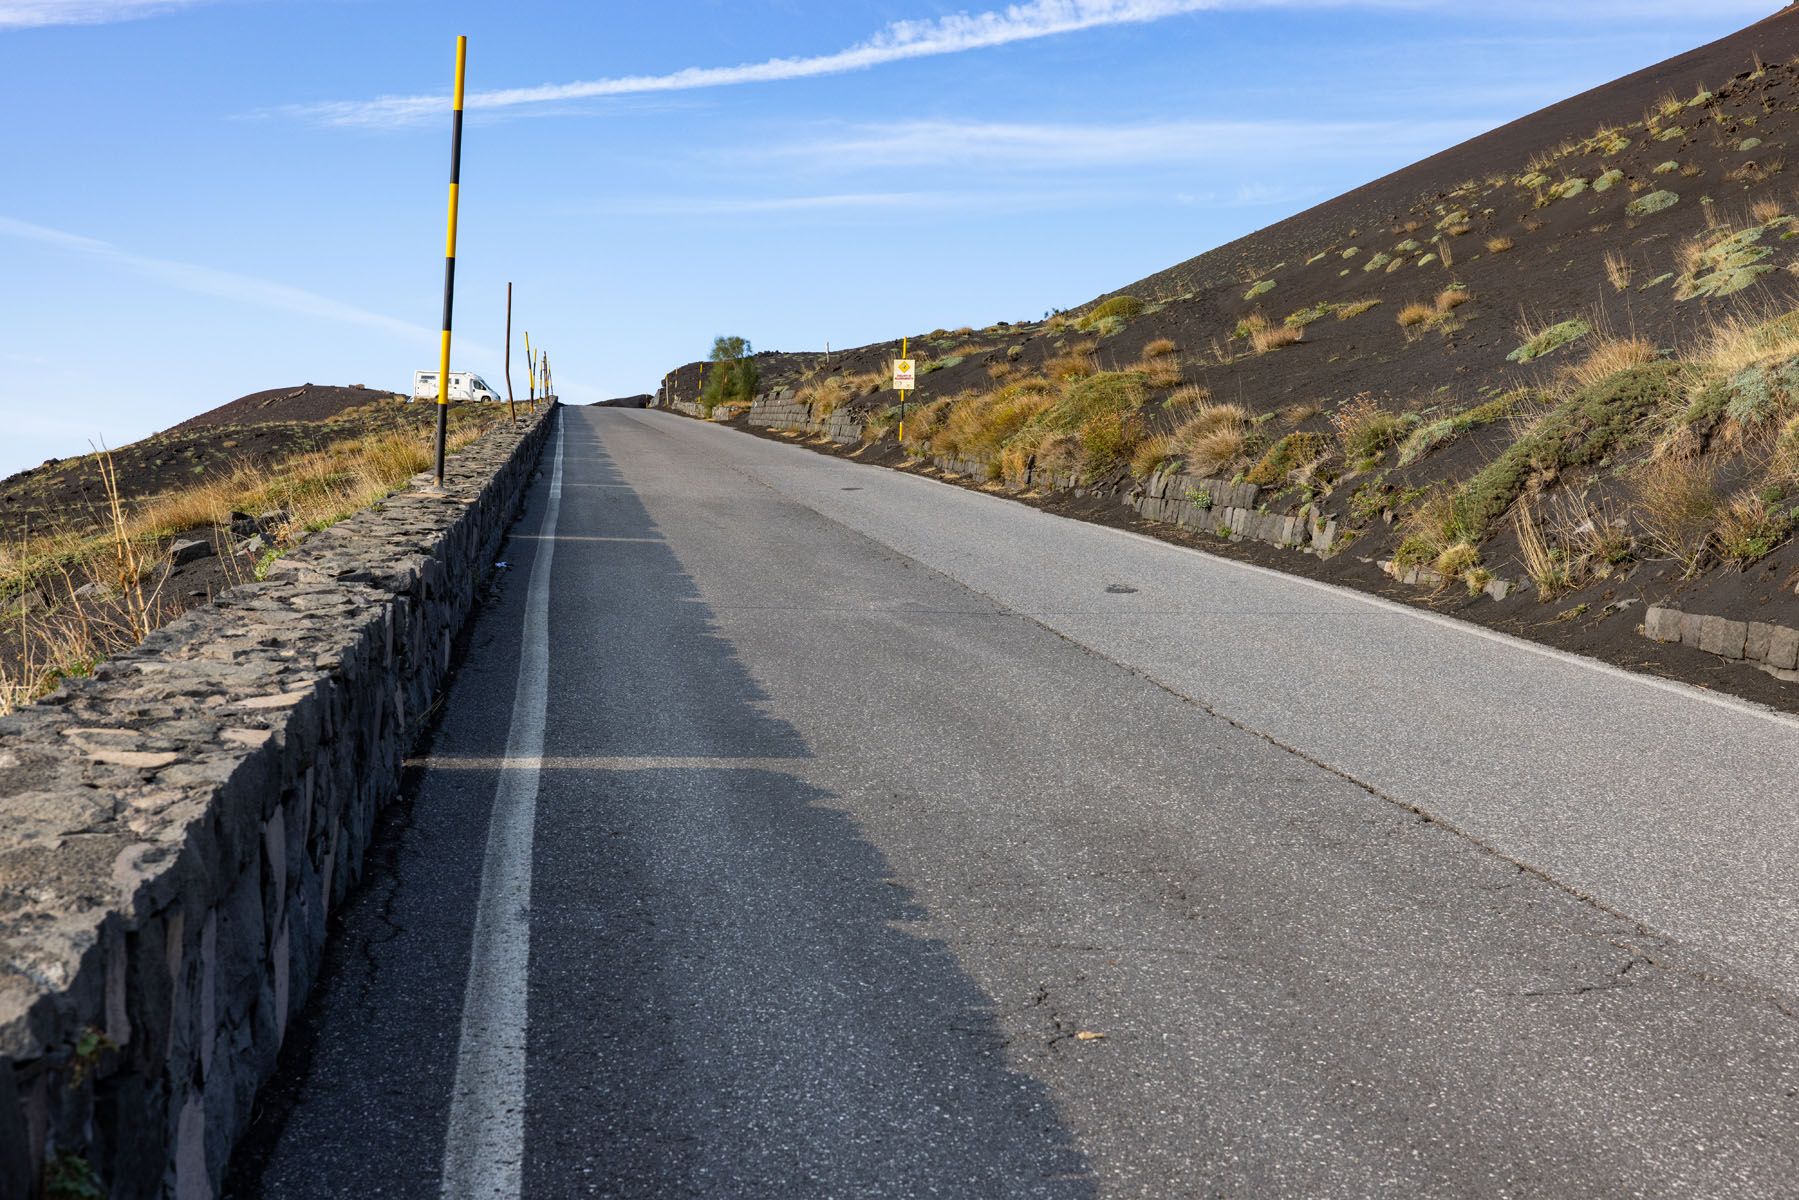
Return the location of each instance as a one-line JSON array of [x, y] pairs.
[[803, 829]]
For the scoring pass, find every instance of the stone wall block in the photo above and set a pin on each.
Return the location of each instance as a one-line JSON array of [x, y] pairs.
[[1662, 624], [1721, 636], [1783, 648]]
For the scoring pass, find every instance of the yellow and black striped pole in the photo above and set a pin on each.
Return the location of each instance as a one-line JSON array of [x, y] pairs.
[[443, 351]]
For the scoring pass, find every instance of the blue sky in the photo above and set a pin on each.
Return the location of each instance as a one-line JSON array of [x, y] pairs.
[[211, 197]]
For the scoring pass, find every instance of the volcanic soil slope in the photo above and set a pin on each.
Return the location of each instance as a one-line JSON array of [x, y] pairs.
[[1563, 355], [200, 507]]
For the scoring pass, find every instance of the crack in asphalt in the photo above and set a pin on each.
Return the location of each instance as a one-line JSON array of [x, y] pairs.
[[1614, 983]]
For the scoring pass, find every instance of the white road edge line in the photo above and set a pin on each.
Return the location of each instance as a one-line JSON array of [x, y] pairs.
[[1675, 687], [484, 1144]]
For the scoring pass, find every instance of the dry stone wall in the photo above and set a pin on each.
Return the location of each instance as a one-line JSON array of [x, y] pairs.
[[783, 409], [175, 831], [1231, 510]]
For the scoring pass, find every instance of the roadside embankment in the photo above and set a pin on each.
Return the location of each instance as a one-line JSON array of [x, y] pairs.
[[175, 831]]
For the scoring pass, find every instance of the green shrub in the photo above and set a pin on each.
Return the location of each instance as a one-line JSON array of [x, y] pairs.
[[1101, 411], [1293, 451], [1750, 528], [1760, 392], [1306, 316], [1550, 339], [1365, 430], [1727, 265], [1260, 288], [1582, 430], [1109, 439], [1654, 202], [732, 377], [1122, 307], [1428, 437]]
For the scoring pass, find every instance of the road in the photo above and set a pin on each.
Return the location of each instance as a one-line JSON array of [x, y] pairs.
[[798, 828]]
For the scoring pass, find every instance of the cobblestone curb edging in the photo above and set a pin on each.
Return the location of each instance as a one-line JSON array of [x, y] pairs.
[[1773, 648], [175, 830]]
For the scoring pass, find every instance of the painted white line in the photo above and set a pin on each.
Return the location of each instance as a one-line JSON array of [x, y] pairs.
[[610, 762], [484, 1146]]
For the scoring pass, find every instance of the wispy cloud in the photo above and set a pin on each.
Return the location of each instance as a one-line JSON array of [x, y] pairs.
[[1055, 145], [900, 40], [887, 204], [33, 14], [210, 281], [952, 34]]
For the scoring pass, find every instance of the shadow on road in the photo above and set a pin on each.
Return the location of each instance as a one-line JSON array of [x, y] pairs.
[[730, 995]]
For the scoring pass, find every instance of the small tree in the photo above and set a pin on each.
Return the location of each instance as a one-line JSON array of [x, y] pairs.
[[733, 376]]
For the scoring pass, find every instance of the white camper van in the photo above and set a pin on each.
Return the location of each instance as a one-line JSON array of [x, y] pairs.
[[464, 385]]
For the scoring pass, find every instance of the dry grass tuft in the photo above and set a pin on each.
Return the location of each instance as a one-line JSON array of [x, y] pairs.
[[1415, 316], [1456, 560], [1678, 506], [1365, 430], [1187, 400], [1618, 270], [1355, 308], [1159, 348], [1749, 528], [1151, 453], [1609, 357], [826, 395], [1452, 298], [1733, 343], [1274, 337], [1071, 366], [1544, 566], [1163, 372], [1215, 438]]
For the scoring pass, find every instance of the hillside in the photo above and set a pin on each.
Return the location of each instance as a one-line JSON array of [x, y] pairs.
[[1558, 355], [199, 507]]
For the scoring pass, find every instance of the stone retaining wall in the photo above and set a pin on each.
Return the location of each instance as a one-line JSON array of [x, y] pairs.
[[1230, 509], [175, 831], [783, 410], [1773, 648]]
